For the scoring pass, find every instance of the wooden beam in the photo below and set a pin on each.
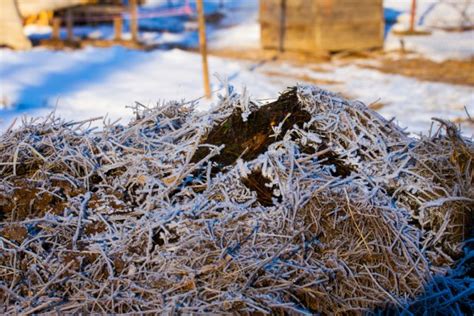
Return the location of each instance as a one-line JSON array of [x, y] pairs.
[[69, 25], [282, 32], [56, 32], [203, 48], [118, 28], [134, 19]]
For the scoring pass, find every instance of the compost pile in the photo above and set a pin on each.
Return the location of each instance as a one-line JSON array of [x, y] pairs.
[[308, 204]]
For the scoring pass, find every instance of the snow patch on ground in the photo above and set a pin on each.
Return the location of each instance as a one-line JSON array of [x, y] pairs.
[[240, 28], [241, 37], [93, 82], [439, 46], [96, 81], [433, 16], [412, 102]]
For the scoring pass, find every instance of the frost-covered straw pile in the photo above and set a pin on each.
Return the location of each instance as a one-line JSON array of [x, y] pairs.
[[360, 217]]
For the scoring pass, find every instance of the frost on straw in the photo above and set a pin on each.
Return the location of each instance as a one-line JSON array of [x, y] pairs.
[[315, 204]]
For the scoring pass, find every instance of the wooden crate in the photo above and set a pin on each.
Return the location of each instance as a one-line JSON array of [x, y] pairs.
[[315, 26]]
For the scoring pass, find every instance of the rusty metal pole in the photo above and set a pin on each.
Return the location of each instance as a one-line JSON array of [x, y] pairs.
[[203, 47], [413, 16], [134, 20]]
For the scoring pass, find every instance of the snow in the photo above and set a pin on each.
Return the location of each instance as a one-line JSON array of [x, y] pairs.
[[95, 81], [435, 14], [439, 46], [412, 102], [241, 37], [240, 29], [435, 17], [98, 81]]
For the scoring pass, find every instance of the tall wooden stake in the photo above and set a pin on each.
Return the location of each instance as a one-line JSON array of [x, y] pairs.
[[134, 19], [69, 25], [118, 28], [203, 47], [281, 46], [56, 33], [413, 16]]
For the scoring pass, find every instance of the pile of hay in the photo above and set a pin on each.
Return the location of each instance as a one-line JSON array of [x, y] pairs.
[[309, 204]]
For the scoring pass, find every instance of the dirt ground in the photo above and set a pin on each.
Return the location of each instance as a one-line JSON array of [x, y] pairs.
[[460, 72], [450, 71]]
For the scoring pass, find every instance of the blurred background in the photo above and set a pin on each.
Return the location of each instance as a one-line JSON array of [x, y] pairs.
[[408, 59]]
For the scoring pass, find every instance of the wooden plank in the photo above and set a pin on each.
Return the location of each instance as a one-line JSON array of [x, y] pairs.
[[350, 3], [100, 9], [320, 25], [56, 32], [296, 39], [297, 36], [118, 25], [134, 20], [69, 25], [269, 35], [351, 36]]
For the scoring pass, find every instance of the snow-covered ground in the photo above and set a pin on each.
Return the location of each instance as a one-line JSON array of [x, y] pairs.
[[411, 102], [438, 46], [434, 13], [437, 17], [162, 24], [240, 29], [95, 82]]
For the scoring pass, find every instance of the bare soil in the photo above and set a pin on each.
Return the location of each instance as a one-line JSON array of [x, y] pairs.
[[459, 72], [302, 77]]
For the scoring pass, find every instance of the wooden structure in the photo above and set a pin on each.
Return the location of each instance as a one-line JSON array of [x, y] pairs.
[[321, 26], [12, 13]]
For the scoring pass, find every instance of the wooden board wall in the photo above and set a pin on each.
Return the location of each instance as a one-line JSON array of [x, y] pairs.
[[322, 25]]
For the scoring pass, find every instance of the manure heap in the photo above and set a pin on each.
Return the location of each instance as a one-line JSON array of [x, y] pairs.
[[308, 204]]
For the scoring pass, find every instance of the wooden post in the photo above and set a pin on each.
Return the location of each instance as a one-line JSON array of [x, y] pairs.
[[134, 19], [69, 25], [281, 46], [56, 29], [203, 47], [413, 16], [118, 28]]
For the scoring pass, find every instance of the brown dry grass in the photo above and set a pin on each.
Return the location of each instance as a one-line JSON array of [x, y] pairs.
[[270, 55], [302, 78], [459, 72], [124, 220]]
